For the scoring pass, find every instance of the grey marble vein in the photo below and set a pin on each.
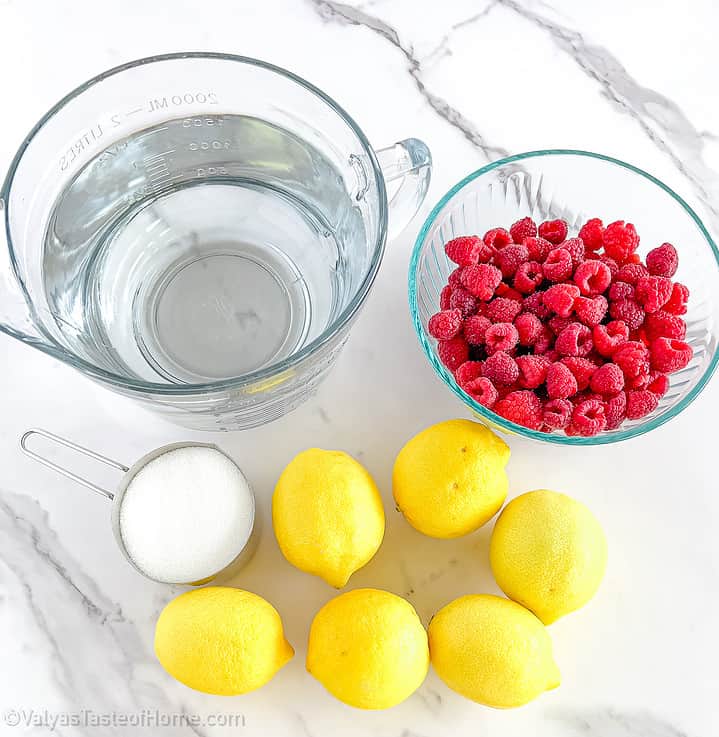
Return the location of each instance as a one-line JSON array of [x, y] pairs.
[[302, 722], [659, 117], [194, 728], [335, 11], [431, 698], [85, 633], [614, 723], [443, 48]]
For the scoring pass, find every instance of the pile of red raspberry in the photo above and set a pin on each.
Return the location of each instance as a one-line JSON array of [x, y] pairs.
[[557, 333]]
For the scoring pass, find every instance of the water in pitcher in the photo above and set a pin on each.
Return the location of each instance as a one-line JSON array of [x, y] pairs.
[[181, 257]]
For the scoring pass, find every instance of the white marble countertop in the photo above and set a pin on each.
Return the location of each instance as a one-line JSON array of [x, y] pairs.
[[475, 80]]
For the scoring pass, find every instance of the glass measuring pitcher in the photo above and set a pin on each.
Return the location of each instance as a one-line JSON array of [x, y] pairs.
[[198, 231]]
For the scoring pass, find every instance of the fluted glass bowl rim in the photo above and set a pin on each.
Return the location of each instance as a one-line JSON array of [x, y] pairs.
[[494, 419]]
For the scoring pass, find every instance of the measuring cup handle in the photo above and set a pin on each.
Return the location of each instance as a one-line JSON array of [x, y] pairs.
[[64, 471], [411, 161]]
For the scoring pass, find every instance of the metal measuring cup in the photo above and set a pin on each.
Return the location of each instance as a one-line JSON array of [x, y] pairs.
[[247, 547]]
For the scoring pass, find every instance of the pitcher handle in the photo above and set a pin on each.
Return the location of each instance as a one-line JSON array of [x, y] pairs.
[[411, 161], [64, 471]]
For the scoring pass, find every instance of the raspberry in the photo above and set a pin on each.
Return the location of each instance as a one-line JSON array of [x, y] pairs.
[[502, 336], [444, 297], [504, 389], [574, 340], [653, 292], [532, 371], [445, 325], [557, 267], [555, 231], [454, 280], [575, 246], [538, 248], [607, 338], [502, 309], [481, 280], [557, 324], [510, 258], [468, 371], [632, 358], [607, 379], [463, 301], [621, 290], [582, 369], [511, 293], [639, 335], [592, 278], [658, 383], [677, 303], [544, 341], [669, 355], [560, 298], [486, 253], [591, 233], [501, 368], [589, 418], [475, 329], [662, 324], [482, 390], [631, 273], [628, 311], [594, 356], [591, 311], [551, 355], [582, 396], [497, 238], [638, 382], [535, 304], [557, 413], [620, 240], [561, 383], [528, 277], [453, 352], [463, 250], [615, 410], [641, 403], [611, 263], [528, 327], [522, 408], [524, 228], [663, 261]]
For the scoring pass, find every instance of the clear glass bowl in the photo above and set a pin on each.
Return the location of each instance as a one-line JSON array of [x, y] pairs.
[[574, 185]]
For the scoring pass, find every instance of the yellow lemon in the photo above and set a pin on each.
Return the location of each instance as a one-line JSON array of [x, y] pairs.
[[327, 514], [221, 640], [368, 648], [492, 650], [548, 552], [449, 479]]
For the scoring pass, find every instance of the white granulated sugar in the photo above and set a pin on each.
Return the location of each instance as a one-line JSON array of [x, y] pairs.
[[186, 515]]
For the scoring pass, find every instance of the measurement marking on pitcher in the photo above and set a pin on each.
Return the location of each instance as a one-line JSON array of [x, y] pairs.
[[157, 171]]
